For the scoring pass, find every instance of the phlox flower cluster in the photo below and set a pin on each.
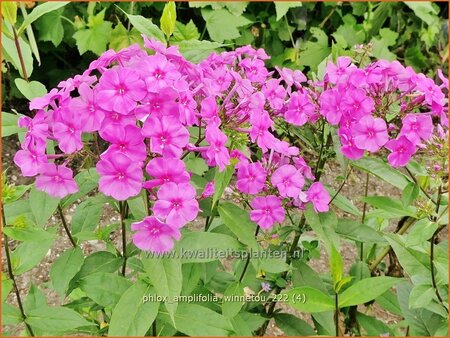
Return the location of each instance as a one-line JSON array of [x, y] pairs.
[[145, 110]]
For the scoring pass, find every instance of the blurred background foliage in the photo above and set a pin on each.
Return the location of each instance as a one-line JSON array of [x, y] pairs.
[[300, 35]]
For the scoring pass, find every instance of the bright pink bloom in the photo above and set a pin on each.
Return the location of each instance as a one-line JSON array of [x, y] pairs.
[[330, 105], [30, 159], [208, 191], [255, 69], [299, 109], [217, 153], [167, 135], [261, 122], [166, 170], [120, 177], [162, 73], [161, 103], [349, 149], [303, 167], [288, 180], [37, 129], [57, 181], [356, 103], [119, 90], [176, 204], [86, 109], [401, 151], [154, 235], [251, 177], [417, 127], [67, 132], [126, 140], [370, 133], [319, 197], [274, 93], [335, 73], [267, 211]]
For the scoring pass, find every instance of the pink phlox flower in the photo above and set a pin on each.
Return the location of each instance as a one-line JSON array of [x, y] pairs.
[[37, 129], [160, 103], [288, 180], [126, 140], [154, 235], [356, 103], [30, 159], [67, 131], [402, 150], [292, 77], [160, 73], [336, 72], [176, 204], [319, 197], [251, 178], [167, 135], [217, 153], [267, 210], [330, 105], [43, 102], [166, 170], [208, 191], [349, 148], [255, 70], [120, 177], [85, 107], [417, 127], [56, 180], [274, 93], [370, 133], [303, 167], [299, 109]]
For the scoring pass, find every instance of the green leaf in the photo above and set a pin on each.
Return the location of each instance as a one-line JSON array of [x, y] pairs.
[[196, 165], [35, 299], [87, 180], [308, 299], [96, 37], [389, 302], [410, 193], [9, 53], [39, 11], [185, 32], [7, 286], [87, 215], [415, 58], [221, 181], [394, 208], [282, 7], [28, 234], [42, 206], [324, 225], [65, 268], [197, 320], [166, 276], [305, 275], [356, 231], [30, 89], [365, 290], [50, 27], [104, 288], [196, 247], [9, 124], [293, 326], [56, 319], [10, 315], [336, 266], [168, 18], [231, 306], [146, 26], [196, 51], [9, 11], [421, 295], [132, 317], [313, 52], [216, 20], [122, 38], [373, 326], [424, 10], [421, 232], [238, 221]]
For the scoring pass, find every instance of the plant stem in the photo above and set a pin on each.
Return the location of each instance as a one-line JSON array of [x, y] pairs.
[[342, 185], [363, 218], [209, 220], [123, 212], [11, 276], [131, 12], [19, 53], [336, 314], [247, 262], [423, 190], [154, 334], [66, 227]]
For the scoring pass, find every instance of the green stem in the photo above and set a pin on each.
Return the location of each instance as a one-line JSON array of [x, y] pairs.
[[336, 314], [66, 227], [19, 53], [363, 217], [417, 183], [247, 262], [131, 12], [11, 276], [154, 333], [123, 212]]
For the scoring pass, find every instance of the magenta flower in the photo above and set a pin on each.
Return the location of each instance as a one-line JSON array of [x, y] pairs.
[[176, 204], [356, 103], [30, 159], [154, 235], [119, 90], [120, 178], [126, 140], [251, 177], [208, 191], [57, 181], [370, 133], [319, 197], [274, 93], [217, 153], [85, 107], [417, 127], [67, 132], [37, 129], [299, 109], [349, 149], [330, 105], [335, 73], [167, 135], [166, 170], [288, 180], [161, 73], [401, 151], [267, 211]]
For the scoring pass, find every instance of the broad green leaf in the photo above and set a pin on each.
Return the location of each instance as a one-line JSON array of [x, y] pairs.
[[50, 27], [410, 193], [9, 124], [365, 290], [30, 89], [293, 326], [389, 302], [9, 11], [313, 52], [421, 232], [56, 319], [168, 18], [195, 50], [356, 231], [421, 295], [231, 306], [185, 32], [336, 266], [42, 206], [245, 323], [137, 206], [303, 274], [415, 58], [146, 26], [166, 276], [104, 288], [381, 169], [308, 299], [96, 37], [39, 11], [122, 38], [324, 225], [216, 20], [28, 234], [323, 321], [393, 208], [35, 299], [9, 53], [10, 315], [196, 165], [196, 247], [100, 261], [7, 286], [197, 320], [87, 215], [282, 7], [86, 180], [12, 195], [192, 274], [343, 203], [65, 268], [132, 317], [238, 221], [373, 326], [424, 10], [221, 181], [273, 264]]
